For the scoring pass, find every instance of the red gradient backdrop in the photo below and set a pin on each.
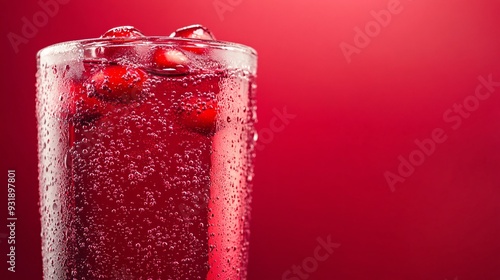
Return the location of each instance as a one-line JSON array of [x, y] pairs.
[[322, 173]]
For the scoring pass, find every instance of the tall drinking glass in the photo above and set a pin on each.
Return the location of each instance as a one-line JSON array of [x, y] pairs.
[[146, 149]]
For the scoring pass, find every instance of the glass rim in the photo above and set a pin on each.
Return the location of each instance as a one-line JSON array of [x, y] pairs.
[[147, 40]]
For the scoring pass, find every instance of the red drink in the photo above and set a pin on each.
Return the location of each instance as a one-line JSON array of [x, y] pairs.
[[146, 149]]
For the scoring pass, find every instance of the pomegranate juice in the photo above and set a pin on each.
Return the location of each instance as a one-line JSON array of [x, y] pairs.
[[146, 147]]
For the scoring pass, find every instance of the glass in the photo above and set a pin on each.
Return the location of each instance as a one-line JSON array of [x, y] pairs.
[[146, 149]]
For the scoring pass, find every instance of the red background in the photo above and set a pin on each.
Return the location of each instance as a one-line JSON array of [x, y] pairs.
[[323, 174]]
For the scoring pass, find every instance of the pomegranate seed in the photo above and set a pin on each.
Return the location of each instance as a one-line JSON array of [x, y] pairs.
[[199, 114], [195, 31], [82, 107], [118, 82], [169, 58], [122, 32]]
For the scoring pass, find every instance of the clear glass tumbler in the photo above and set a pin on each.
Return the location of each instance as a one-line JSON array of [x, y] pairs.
[[146, 149]]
